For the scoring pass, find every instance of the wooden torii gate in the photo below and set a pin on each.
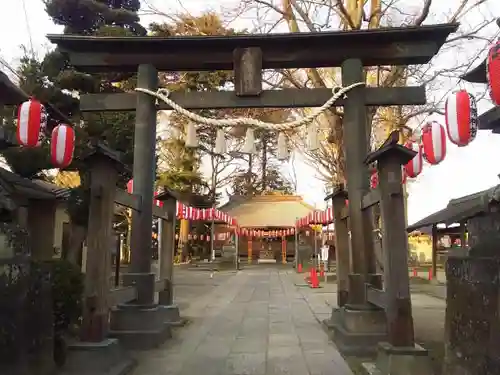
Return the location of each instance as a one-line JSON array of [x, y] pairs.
[[248, 55]]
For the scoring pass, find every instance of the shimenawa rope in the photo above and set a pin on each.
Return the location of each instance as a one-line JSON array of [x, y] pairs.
[[162, 94]]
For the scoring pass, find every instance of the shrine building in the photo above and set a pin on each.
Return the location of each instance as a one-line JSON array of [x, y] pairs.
[[267, 225]]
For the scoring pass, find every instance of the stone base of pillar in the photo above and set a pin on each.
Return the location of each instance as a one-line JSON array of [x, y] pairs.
[[139, 326], [358, 332], [331, 322], [90, 358], [172, 316], [166, 296], [400, 361]]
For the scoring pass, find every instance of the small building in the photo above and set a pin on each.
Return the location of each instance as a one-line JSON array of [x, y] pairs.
[[267, 224], [39, 206], [448, 227]]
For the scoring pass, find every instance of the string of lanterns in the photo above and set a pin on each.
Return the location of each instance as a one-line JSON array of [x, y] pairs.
[[32, 127], [461, 118], [266, 233], [183, 211], [191, 213], [316, 217]]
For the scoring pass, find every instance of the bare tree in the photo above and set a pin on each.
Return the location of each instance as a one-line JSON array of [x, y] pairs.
[[311, 15]]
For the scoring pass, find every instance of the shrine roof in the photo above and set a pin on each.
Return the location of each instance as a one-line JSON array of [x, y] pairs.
[[490, 120], [385, 46], [477, 74], [272, 211], [460, 209], [10, 94], [31, 188]]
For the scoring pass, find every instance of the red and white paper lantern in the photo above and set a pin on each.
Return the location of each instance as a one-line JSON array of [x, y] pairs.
[[414, 167], [461, 118], [493, 72], [130, 186], [62, 145], [434, 142], [374, 180], [31, 123], [157, 202]]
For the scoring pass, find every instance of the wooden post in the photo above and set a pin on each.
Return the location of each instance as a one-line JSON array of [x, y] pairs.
[[249, 250], [463, 234], [283, 249], [434, 250], [143, 173], [247, 71], [103, 177], [356, 142], [395, 243], [341, 245], [167, 246]]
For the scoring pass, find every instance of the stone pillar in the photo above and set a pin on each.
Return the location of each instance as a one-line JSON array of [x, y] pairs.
[[472, 327], [356, 143], [143, 172], [359, 326], [341, 246], [140, 324], [167, 246]]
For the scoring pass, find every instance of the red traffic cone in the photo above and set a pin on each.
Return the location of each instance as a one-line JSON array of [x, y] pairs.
[[299, 268], [314, 279], [415, 274], [430, 274]]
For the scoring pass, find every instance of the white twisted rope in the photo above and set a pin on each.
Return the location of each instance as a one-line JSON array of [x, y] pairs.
[[162, 94]]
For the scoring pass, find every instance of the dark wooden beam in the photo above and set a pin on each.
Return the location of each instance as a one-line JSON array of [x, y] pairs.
[[376, 297], [388, 46], [370, 199], [490, 119], [288, 98], [133, 201], [371, 54], [127, 200]]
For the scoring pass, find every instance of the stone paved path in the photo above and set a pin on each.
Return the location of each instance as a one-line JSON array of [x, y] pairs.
[[256, 322]]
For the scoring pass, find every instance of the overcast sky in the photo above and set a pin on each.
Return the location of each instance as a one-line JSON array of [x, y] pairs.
[[465, 170]]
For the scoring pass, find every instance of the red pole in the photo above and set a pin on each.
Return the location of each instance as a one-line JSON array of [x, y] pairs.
[[430, 274]]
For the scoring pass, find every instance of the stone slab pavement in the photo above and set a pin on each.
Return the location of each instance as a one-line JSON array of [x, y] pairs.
[[254, 322], [428, 306]]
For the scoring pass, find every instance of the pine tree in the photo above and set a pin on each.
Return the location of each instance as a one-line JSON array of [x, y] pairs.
[[51, 79]]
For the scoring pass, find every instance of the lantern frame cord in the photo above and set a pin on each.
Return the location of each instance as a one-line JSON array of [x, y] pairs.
[[338, 92]]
